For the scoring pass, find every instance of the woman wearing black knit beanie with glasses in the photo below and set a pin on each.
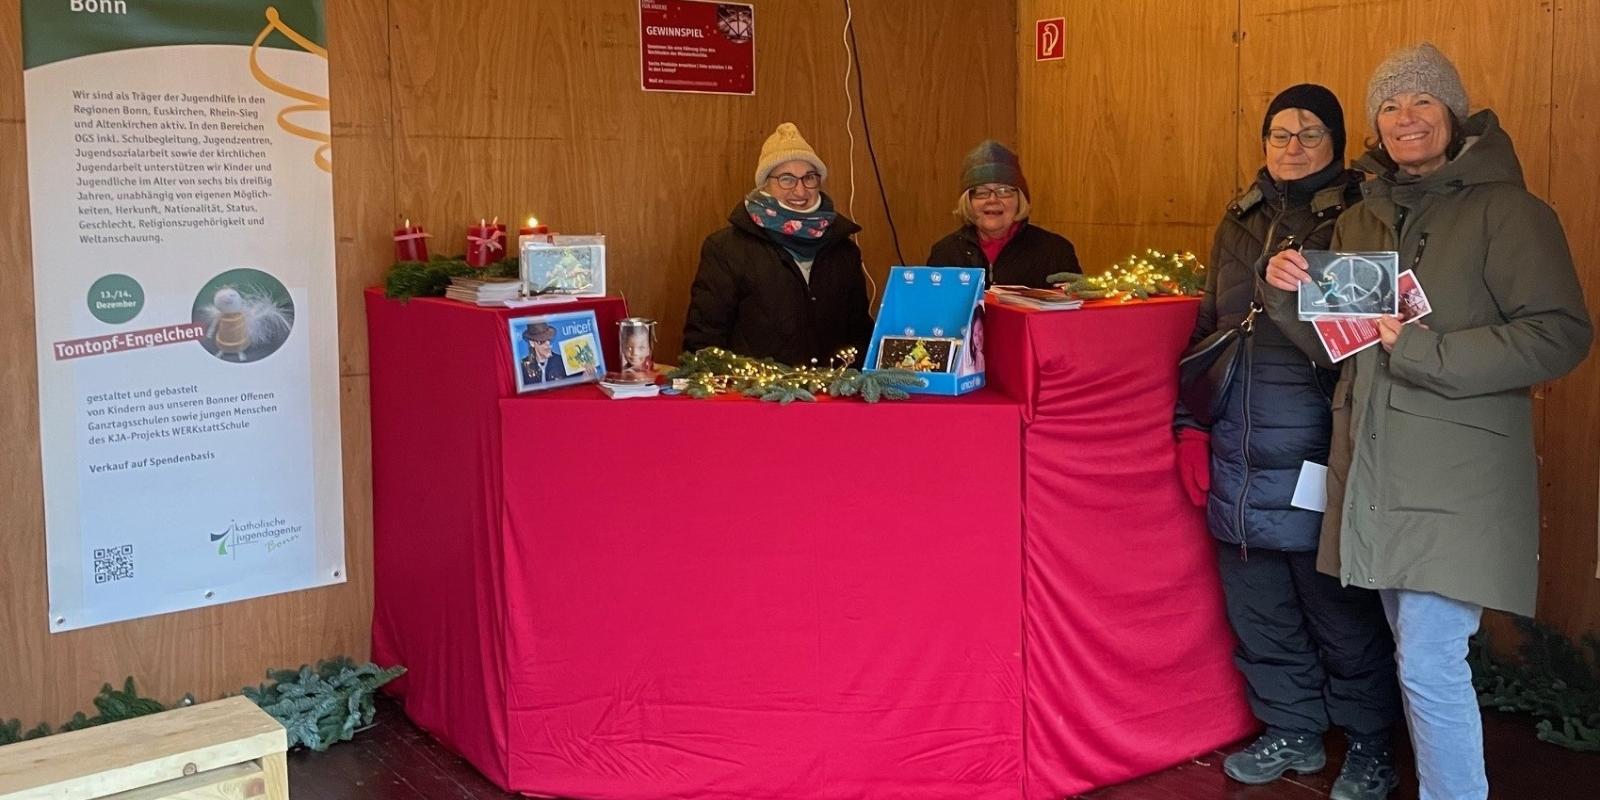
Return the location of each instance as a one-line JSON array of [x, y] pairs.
[[1313, 654]]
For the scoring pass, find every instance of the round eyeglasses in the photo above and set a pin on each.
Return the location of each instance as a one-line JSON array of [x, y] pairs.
[[810, 180]]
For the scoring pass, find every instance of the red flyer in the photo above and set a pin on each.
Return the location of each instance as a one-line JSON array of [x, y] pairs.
[[697, 46], [1344, 337]]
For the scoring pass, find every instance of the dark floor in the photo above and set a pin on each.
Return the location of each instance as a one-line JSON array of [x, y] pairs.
[[396, 761]]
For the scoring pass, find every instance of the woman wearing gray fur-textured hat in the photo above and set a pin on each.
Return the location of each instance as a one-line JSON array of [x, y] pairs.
[[997, 236], [1432, 484]]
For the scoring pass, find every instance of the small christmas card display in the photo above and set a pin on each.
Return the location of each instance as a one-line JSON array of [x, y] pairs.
[[555, 350], [564, 265], [919, 353], [1344, 337], [940, 308], [1350, 284]]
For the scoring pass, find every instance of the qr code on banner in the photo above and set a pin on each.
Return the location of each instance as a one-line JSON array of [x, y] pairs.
[[113, 563]]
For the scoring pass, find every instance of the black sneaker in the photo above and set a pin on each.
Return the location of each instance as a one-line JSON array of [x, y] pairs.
[[1367, 774], [1267, 758]]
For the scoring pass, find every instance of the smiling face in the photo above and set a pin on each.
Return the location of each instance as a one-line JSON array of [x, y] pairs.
[[1295, 160], [992, 213], [541, 349], [799, 196], [1415, 129]]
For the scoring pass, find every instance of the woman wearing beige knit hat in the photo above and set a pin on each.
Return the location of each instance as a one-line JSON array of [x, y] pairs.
[[783, 280], [1432, 486], [994, 205]]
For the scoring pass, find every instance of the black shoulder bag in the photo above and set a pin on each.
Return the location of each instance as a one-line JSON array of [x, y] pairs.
[[1207, 368]]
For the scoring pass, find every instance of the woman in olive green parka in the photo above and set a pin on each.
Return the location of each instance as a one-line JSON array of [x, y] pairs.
[[1432, 481]]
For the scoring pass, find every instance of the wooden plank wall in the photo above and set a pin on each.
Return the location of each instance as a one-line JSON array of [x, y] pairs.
[[448, 111], [1152, 123]]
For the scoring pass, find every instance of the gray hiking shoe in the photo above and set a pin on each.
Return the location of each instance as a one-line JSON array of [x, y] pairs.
[[1267, 758], [1368, 773]]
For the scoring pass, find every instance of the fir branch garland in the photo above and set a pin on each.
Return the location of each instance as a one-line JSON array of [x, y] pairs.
[[408, 279], [712, 370], [1553, 681], [317, 707]]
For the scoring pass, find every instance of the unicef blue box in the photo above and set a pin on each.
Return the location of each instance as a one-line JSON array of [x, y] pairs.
[[931, 322]]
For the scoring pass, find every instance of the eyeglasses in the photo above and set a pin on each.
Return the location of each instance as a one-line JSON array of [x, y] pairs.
[[986, 192], [1309, 138], [810, 180]]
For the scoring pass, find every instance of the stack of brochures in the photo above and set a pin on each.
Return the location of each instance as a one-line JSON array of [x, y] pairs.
[[617, 387], [1037, 299], [484, 291]]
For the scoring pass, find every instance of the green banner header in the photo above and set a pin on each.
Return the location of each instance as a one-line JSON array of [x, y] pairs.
[[57, 30]]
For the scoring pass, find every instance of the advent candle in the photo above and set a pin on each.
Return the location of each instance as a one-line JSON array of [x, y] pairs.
[[533, 228], [481, 245], [410, 243], [499, 237]]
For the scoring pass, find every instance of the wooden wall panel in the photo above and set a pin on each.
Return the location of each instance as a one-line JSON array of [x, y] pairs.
[[1128, 142], [1569, 590]]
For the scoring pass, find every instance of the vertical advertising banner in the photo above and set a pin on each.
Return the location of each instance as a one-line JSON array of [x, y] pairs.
[[179, 178], [697, 46]]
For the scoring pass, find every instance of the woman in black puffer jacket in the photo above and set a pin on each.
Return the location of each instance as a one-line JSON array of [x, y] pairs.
[[1312, 653]]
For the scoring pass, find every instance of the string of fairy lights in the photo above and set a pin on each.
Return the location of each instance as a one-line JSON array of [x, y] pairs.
[[1140, 276]]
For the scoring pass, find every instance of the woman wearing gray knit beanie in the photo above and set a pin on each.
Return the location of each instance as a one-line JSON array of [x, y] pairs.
[[996, 235], [1432, 483]]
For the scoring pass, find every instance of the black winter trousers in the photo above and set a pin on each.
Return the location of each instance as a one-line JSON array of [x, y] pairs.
[[1311, 651]]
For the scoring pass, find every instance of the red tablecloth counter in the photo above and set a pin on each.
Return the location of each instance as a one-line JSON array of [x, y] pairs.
[[675, 598], [962, 598], [1128, 653]]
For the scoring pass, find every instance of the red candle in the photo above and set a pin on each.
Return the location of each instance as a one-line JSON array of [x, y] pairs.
[[499, 238], [533, 228], [410, 243], [482, 247]]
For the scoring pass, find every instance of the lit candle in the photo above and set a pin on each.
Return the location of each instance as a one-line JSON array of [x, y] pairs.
[[481, 245], [533, 228], [410, 243]]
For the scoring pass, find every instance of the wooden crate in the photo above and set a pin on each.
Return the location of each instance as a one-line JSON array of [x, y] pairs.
[[227, 750]]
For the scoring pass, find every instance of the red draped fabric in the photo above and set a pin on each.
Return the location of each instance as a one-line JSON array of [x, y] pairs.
[[963, 598], [438, 371], [1128, 653]]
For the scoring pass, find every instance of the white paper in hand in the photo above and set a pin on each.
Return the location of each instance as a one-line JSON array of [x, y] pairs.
[[1311, 490]]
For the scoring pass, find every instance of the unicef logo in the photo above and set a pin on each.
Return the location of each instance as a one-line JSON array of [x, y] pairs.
[[910, 331], [966, 278], [909, 276], [937, 278]]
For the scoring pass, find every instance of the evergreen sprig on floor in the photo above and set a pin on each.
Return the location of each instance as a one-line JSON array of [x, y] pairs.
[[317, 707], [1553, 680], [323, 706]]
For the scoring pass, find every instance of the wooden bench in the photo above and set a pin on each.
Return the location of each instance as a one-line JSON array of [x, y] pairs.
[[227, 750]]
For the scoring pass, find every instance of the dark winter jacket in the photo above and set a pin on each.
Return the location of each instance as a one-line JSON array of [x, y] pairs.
[[1031, 256], [750, 297], [1278, 413]]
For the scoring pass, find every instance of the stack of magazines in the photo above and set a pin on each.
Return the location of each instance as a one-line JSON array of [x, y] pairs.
[[1037, 299], [484, 291], [622, 386]]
